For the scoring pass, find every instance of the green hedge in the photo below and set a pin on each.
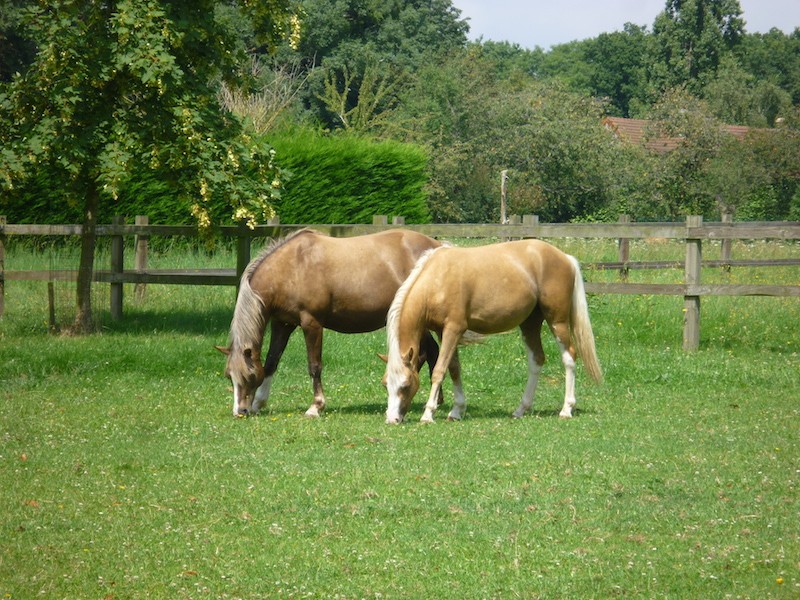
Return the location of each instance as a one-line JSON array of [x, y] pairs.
[[350, 179], [332, 180]]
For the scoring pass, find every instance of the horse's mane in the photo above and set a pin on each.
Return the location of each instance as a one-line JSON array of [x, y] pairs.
[[394, 364], [248, 322]]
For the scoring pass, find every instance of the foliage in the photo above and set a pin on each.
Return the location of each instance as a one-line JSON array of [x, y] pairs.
[[345, 36], [561, 160], [123, 85], [675, 478], [349, 179], [773, 57], [374, 101], [690, 38], [127, 83], [680, 172], [618, 68]]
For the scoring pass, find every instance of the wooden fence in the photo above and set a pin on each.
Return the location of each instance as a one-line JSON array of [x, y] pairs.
[[693, 232]]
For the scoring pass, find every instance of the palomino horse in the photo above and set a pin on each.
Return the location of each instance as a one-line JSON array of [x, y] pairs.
[[313, 281], [484, 290]]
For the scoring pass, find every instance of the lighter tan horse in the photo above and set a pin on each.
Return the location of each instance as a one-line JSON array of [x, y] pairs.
[[488, 289], [313, 281]]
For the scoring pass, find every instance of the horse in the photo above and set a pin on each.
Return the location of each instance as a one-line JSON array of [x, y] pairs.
[[313, 281], [461, 293]]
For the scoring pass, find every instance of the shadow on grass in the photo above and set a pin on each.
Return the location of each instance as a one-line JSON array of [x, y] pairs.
[[214, 321], [473, 412]]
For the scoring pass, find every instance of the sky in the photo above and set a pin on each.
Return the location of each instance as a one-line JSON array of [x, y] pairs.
[[544, 23]]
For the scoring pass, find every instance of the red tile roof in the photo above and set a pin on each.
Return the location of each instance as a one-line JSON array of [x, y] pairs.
[[635, 130]]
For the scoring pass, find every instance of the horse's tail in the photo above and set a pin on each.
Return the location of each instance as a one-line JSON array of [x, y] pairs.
[[582, 327]]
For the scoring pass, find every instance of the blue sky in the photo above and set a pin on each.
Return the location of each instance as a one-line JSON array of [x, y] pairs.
[[532, 23]]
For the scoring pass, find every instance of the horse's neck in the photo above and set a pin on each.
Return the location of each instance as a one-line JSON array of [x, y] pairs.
[[410, 330]]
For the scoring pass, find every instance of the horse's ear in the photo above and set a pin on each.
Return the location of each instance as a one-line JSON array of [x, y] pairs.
[[408, 357], [384, 358], [223, 349]]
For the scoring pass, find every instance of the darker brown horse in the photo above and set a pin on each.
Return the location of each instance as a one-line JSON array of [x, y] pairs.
[[313, 281], [489, 289]]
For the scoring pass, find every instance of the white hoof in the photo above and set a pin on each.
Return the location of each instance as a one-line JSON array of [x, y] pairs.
[[312, 413]]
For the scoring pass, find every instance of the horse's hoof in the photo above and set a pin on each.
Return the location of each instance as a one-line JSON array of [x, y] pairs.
[[565, 415], [312, 413]]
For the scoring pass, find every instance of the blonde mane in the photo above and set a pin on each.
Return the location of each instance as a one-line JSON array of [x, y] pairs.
[[248, 323], [394, 361]]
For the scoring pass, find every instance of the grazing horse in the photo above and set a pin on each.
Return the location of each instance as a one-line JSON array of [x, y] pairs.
[[313, 281], [489, 289]]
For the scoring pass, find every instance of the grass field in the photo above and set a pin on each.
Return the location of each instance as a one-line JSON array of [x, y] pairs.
[[123, 474]]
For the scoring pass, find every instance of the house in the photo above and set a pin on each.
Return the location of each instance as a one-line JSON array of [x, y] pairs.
[[635, 131]]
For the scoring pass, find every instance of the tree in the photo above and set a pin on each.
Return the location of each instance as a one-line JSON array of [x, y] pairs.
[[346, 37], [690, 38], [773, 57], [618, 67], [681, 174], [130, 82]]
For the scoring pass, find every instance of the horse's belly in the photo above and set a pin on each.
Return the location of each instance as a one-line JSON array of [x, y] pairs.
[[355, 322], [499, 309]]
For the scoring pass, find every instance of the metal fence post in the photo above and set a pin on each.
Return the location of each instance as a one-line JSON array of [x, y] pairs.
[[624, 248], [3, 221], [691, 276]]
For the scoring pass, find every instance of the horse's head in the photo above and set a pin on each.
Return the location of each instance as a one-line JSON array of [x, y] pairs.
[[246, 373], [402, 382]]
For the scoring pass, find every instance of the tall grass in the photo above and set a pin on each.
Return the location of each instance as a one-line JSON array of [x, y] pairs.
[[124, 476]]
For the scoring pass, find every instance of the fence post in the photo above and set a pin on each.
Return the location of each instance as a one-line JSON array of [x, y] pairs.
[[398, 220], [503, 180], [691, 304], [140, 257], [3, 221], [117, 266], [727, 217], [530, 221], [380, 220], [242, 251], [623, 248]]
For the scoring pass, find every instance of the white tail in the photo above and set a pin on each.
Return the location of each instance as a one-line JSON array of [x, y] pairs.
[[582, 334]]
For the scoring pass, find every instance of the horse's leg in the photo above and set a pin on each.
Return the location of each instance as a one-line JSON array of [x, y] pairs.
[[429, 352], [278, 338], [446, 352], [312, 331], [532, 335], [560, 329], [459, 401]]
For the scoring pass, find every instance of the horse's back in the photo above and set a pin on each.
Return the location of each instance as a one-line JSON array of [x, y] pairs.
[[346, 284], [496, 286]]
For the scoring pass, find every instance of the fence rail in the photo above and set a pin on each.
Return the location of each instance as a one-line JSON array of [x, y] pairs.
[[692, 232]]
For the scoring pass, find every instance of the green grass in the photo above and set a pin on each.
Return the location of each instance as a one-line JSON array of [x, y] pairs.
[[123, 474]]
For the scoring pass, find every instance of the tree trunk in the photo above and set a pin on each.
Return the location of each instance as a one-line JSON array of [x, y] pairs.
[[84, 322]]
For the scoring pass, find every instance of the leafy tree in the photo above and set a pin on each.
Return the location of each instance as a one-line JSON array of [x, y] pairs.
[[681, 173], [773, 57], [119, 84], [346, 37], [15, 50], [618, 67], [690, 38]]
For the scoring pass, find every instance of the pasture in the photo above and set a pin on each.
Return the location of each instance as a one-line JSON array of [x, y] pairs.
[[124, 475]]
